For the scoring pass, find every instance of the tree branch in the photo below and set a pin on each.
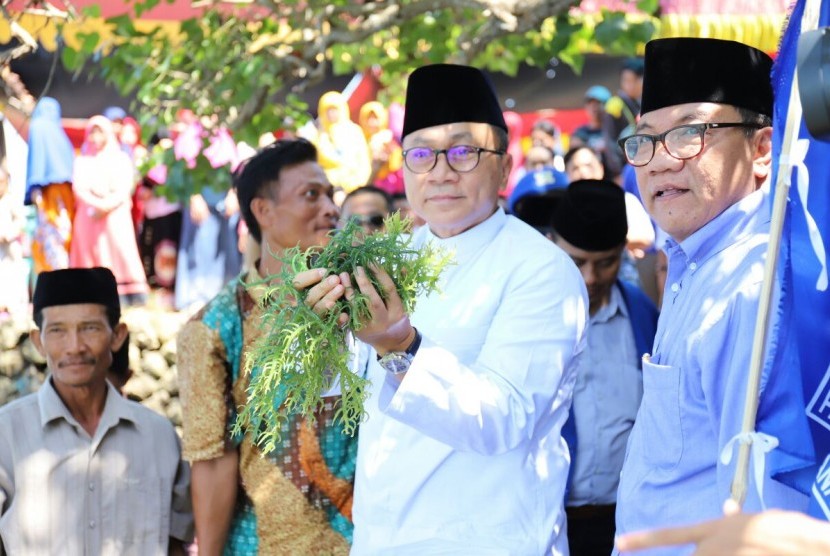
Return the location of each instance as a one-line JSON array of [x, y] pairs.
[[511, 17]]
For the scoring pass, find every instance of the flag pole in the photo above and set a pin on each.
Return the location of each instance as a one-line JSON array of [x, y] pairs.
[[809, 21]]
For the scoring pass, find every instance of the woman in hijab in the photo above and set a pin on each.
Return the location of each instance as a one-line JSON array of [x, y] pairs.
[[49, 186], [342, 148], [130, 139], [104, 234], [387, 161]]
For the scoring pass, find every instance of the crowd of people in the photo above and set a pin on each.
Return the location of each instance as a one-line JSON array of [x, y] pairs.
[[539, 404]]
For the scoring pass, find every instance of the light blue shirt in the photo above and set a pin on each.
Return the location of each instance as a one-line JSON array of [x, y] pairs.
[[465, 455], [609, 386], [695, 380]]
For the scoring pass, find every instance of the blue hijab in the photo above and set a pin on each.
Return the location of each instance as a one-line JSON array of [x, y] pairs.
[[50, 152]]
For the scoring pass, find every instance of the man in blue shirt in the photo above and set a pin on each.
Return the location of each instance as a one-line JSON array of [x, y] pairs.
[[702, 151], [589, 224]]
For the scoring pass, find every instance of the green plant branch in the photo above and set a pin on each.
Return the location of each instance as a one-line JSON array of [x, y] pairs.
[[301, 354]]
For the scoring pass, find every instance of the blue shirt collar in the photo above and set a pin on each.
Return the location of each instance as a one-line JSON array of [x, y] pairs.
[[611, 309], [737, 222]]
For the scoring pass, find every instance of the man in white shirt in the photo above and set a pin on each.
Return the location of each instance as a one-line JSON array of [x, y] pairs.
[[462, 451]]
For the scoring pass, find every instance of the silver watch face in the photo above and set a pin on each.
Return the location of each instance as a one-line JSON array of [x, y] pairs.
[[396, 362]]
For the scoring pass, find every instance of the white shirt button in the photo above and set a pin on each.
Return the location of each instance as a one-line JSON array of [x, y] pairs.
[[92, 525], [91, 486], [693, 266], [675, 287]]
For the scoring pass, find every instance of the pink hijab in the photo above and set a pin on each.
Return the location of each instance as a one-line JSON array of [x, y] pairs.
[[105, 125]]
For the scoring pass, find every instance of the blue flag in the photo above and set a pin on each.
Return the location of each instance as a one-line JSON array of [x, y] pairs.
[[802, 339]]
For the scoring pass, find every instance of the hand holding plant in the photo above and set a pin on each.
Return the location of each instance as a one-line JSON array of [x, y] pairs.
[[303, 350]]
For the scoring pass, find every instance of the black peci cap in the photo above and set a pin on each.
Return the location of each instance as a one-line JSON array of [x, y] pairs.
[[445, 94], [683, 70], [591, 215], [76, 285]]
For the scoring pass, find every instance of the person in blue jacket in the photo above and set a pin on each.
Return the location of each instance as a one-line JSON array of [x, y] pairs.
[[589, 224]]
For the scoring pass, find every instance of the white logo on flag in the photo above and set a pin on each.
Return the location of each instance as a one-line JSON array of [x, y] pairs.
[[796, 159], [821, 488], [819, 407]]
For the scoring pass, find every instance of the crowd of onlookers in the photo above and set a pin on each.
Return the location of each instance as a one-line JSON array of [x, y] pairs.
[[99, 204]]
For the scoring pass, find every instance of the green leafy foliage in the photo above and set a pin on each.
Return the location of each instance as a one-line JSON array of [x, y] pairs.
[[301, 354], [144, 5], [617, 35], [70, 58], [648, 6]]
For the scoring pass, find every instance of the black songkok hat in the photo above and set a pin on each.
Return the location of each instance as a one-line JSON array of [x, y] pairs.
[[537, 210], [684, 70], [591, 215], [76, 285], [445, 93]]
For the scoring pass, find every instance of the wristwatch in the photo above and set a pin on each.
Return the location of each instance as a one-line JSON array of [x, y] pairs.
[[398, 362]]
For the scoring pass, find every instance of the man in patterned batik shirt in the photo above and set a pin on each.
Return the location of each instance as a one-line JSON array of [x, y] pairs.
[[296, 499]]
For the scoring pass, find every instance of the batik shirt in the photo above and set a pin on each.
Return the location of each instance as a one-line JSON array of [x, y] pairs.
[[297, 498]]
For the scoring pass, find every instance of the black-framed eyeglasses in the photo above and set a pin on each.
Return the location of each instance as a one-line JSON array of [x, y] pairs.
[[374, 220], [681, 142], [461, 158]]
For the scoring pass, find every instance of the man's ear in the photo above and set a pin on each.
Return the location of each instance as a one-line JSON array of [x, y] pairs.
[[506, 167], [261, 209], [119, 334], [37, 341], [762, 157]]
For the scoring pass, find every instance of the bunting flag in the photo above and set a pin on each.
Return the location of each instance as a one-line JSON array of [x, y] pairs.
[[802, 340]]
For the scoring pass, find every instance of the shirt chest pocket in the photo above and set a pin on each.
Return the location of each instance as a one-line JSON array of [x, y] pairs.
[[659, 416], [141, 513]]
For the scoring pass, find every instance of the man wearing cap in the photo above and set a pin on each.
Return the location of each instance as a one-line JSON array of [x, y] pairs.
[[589, 224], [462, 452], [598, 134], [582, 163], [532, 199], [702, 152], [83, 470], [624, 107]]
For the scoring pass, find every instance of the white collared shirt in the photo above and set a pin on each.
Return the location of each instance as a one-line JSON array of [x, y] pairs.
[[465, 456]]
